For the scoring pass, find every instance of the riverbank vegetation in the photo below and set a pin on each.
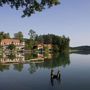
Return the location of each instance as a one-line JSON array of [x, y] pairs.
[[49, 42]]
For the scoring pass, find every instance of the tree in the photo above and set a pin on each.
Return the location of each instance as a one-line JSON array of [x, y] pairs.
[[19, 36], [32, 34], [60, 43], [1, 35], [30, 6], [11, 47], [4, 35]]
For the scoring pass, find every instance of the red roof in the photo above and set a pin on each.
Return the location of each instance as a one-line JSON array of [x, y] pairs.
[[10, 41]]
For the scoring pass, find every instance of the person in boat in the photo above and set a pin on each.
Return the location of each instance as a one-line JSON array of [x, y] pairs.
[[55, 76]]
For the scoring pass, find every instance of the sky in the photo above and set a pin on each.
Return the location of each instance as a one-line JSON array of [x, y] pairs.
[[70, 18]]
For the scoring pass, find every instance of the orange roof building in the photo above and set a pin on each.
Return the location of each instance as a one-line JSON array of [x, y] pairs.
[[6, 42]]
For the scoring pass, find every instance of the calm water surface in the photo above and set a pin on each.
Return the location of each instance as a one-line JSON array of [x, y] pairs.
[[74, 70]]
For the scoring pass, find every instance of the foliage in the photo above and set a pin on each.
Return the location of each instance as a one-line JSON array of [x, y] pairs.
[[4, 35], [18, 67], [0, 47], [32, 41], [11, 56], [27, 45], [4, 67], [60, 43], [58, 60], [29, 56], [19, 35], [30, 6], [32, 34], [1, 50], [11, 47]]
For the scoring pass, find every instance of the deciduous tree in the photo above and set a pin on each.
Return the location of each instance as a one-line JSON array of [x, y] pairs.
[[19, 35], [30, 6]]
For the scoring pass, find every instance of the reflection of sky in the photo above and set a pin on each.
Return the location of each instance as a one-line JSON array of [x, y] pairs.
[[82, 59], [77, 75], [71, 18]]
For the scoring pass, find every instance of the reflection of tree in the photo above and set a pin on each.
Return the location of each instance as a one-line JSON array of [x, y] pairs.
[[32, 68], [56, 61], [18, 67], [84, 52], [61, 59], [29, 56], [4, 67], [11, 56], [1, 56]]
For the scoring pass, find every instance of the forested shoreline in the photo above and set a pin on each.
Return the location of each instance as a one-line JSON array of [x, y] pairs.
[[59, 43]]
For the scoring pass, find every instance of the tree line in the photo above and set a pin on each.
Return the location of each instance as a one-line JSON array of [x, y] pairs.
[[60, 43]]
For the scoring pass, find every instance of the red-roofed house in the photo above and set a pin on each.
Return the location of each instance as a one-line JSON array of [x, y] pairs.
[[19, 45]]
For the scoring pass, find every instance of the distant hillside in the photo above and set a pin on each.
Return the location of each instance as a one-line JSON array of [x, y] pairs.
[[81, 48]]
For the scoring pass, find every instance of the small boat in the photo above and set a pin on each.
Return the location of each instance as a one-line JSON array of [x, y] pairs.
[[55, 76]]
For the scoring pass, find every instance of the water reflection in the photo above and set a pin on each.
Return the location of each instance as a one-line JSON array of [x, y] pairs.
[[56, 76], [18, 67], [4, 67], [12, 57], [35, 61], [32, 68], [86, 52], [50, 61], [37, 75]]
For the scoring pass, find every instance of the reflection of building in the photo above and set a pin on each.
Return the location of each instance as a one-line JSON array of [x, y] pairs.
[[40, 55], [49, 56], [17, 58], [19, 45]]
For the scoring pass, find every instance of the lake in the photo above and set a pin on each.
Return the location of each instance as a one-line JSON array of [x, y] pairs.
[[74, 74]]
